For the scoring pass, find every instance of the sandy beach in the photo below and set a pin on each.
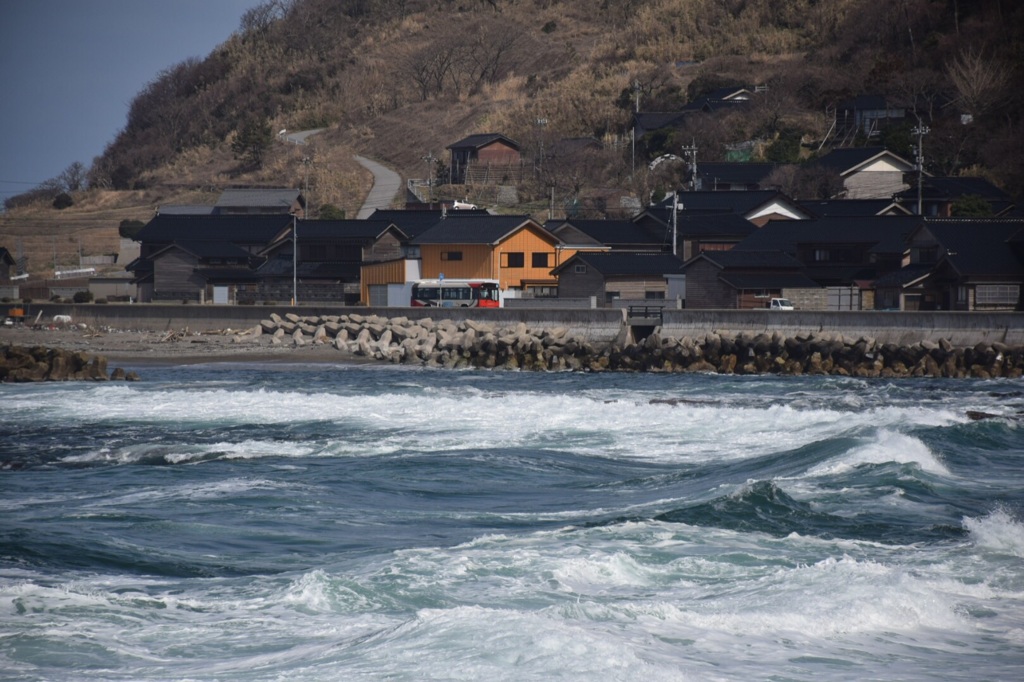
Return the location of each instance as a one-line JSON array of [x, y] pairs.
[[144, 347]]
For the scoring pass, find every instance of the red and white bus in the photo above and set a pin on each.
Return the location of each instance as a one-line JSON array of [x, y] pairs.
[[455, 293]]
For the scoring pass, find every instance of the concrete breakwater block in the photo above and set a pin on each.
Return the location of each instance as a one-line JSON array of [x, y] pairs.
[[469, 343]]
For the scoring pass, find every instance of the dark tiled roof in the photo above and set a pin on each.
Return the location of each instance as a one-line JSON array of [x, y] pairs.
[[5, 256], [828, 208], [734, 202], [864, 103], [280, 266], [898, 278], [237, 229], [185, 209], [848, 158], [264, 197], [619, 263], [655, 120], [414, 223], [481, 140], [749, 260], [355, 230], [734, 173], [210, 249], [713, 225], [978, 246], [954, 188], [227, 274], [768, 280], [472, 229], [886, 234], [610, 232]]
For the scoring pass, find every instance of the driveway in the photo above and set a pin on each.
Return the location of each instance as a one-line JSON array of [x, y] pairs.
[[386, 184]]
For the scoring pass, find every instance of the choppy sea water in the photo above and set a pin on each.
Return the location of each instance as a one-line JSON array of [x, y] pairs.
[[319, 522]]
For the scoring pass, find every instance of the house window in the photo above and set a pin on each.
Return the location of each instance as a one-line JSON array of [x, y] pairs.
[[821, 255], [541, 260], [580, 269], [513, 259], [654, 295], [610, 296], [997, 294], [543, 292], [451, 255], [961, 295]]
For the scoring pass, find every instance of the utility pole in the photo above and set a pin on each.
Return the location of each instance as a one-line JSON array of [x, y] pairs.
[[690, 154], [632, 133], [675, 219], [429, 160], [295, 258], [920, 131]]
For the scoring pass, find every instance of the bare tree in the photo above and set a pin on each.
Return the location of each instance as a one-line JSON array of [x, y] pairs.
[[73, 178], [980, 82]]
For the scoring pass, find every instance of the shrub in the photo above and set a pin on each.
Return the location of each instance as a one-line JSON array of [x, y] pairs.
[[82, 297], [101, 301], [62, 201], [129, 228]]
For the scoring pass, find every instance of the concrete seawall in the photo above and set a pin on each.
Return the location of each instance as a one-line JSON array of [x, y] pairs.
[[959, 328], [601, 325]]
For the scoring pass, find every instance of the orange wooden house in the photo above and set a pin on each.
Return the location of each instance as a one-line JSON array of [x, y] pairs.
[[515, 250]]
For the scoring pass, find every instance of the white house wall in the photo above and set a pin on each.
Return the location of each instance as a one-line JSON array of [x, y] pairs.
[[775, 209]]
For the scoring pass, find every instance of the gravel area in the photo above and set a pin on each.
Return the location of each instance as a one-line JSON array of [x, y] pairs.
[[133, 347]]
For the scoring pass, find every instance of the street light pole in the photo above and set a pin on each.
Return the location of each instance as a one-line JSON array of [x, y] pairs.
[[920, 131], [295, 259]]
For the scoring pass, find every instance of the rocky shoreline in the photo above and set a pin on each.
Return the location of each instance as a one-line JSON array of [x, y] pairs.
[[465, 344], [19, 364]]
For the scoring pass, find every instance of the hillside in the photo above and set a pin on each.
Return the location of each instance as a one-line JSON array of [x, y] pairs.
[[399, 80]]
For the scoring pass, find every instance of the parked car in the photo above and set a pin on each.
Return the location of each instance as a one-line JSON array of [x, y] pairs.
[[781, 304]]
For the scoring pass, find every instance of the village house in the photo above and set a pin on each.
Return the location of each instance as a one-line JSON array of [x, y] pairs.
[[202, 241], [757, 207], [733, 177], [598, 235], [514, 250], [7, 265], [866, 115], [844, 255], [614, 276], [868, 172], [940, 194], [330, 258], [747, 280], [252, 201], [965, 264], [485, 158]]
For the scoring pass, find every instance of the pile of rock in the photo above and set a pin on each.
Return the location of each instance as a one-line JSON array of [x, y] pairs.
[[820, 353], [20, 364], [469, 343]]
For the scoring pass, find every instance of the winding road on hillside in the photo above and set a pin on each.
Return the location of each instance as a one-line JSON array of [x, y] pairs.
[[386, 184]]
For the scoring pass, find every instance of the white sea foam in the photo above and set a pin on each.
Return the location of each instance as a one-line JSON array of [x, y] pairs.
[[886, 446], [997, 532]]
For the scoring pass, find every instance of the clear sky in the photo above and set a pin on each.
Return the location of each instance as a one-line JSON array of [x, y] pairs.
[[70, 68]]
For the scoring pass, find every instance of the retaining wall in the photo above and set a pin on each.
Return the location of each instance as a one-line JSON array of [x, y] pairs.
[[597, 325]]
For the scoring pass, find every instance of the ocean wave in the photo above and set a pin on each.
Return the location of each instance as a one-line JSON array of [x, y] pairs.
[[997, 532]]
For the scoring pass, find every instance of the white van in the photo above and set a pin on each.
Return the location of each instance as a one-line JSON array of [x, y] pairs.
[[781, 304]]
